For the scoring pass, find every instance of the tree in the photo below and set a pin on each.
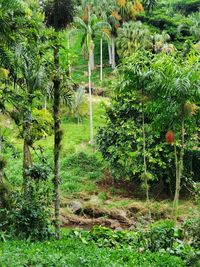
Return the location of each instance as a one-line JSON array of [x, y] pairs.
[[153, 96], [58, 15], [135, 71], [192, 26], [131, 37], [178, 98], [149, 5], [88, 29]]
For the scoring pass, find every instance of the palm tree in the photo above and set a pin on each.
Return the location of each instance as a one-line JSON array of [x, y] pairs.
[[114, 20], [79, 105], [30, 78], [193, 26], [59, 14], [103, 32], [149, 5], [88, 29], [131, 37]]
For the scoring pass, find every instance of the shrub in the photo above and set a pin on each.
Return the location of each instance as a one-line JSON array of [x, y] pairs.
[[30, 219], [161, 235], [71, 252], [192, 231]]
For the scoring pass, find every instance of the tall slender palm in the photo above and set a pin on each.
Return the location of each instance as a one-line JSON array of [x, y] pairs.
[[104, 33], [59, 14], [114, 20], [88, 29]]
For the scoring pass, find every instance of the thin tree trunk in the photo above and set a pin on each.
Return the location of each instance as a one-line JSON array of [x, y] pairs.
[[110, 54], [27, 162], [144, 157], [1, 145], [69, 62], [91, 113], [1, 170], [101, 60], [176, 196], [45, 102], [113, 53], [57, 142], [179, 169], [91, 59]]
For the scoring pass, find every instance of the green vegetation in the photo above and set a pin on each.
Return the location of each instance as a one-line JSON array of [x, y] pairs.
[[73, 253], [99, 129]]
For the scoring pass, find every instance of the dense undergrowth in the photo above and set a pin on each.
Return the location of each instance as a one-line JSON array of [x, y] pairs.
[[74, 253], [162, 244]]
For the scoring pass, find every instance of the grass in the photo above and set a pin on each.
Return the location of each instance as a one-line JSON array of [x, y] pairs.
[[75, 139]]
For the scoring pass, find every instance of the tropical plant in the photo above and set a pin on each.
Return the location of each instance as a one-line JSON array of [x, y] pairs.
[[79, 105], [131, 37], [192, 26], [89, 28], [58, 14], [160, 43], [149, 5], [178, 98]]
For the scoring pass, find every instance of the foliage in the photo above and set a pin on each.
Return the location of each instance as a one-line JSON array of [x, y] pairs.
[[192, 231], [42, 124], [187, 6], [57, 253], [161, 237], [79, 105], [30, 219], [58, 14], [29, 216], [131, 37], [120, 141]]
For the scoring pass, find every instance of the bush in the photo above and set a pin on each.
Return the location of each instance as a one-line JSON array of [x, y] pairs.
[[30, 220], [192, 231], [162, 235], [26, 216], [71, 252]]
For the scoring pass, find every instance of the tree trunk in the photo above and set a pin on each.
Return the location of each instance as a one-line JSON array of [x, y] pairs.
[[57, 142], [101, 60], [1, 145], [110, 54], [113, 53], [69, 63], [1, 170], [27, 162], [91, 113], [144, 156], [179, 169], [91, 59], [45, 102], [176, 196]]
